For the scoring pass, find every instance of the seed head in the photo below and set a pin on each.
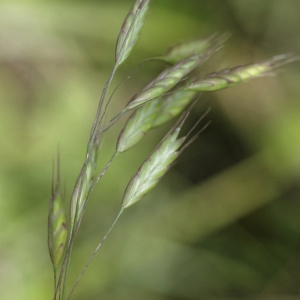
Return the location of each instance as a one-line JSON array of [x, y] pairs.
[[167, 80], [130, 30], [156, 165], [152, 114], [138, 124], [172, 105], [229, 77], [199, 46]]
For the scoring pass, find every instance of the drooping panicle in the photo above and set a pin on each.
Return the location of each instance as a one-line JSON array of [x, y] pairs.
[[57, 222], [229, 77], [130, 30]]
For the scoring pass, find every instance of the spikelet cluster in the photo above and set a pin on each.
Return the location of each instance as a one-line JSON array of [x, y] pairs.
[[152, 114], [160, 100]]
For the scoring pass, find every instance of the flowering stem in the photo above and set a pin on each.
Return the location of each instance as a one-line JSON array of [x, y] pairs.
[[95, 252]]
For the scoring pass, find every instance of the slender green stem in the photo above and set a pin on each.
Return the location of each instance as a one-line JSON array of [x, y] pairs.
[[60, 288], [54, 279], [113, 120], [95, 252], [67, 264], [101, 174], [74, 230], [93, 143]]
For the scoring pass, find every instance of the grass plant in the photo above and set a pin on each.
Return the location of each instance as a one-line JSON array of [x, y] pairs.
[[173, 92]]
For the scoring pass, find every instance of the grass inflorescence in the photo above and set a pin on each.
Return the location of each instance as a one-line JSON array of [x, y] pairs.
[[173, 92]]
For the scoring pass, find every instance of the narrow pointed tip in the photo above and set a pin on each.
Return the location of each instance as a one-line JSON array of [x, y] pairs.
[[58, 168]]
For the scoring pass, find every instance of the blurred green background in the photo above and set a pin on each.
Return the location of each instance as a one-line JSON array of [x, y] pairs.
[[223, 224]]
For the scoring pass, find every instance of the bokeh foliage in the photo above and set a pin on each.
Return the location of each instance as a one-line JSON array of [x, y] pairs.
[[224, 224]]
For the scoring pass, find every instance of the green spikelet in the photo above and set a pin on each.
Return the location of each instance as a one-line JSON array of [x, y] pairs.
[[199, 46], [230, 77], [130, 30], [156, 165], [152, 114], [138, 124], [167, 80], [172, 105], [57, 223]]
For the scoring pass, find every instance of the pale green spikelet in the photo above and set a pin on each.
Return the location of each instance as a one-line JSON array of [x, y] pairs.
[[172, 105], [152, 114], [230, 77], [138, 124], [167, 80], [155, 166], [57, 224], [199, 46], [163, 84], [130, 30], [164, 107]]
